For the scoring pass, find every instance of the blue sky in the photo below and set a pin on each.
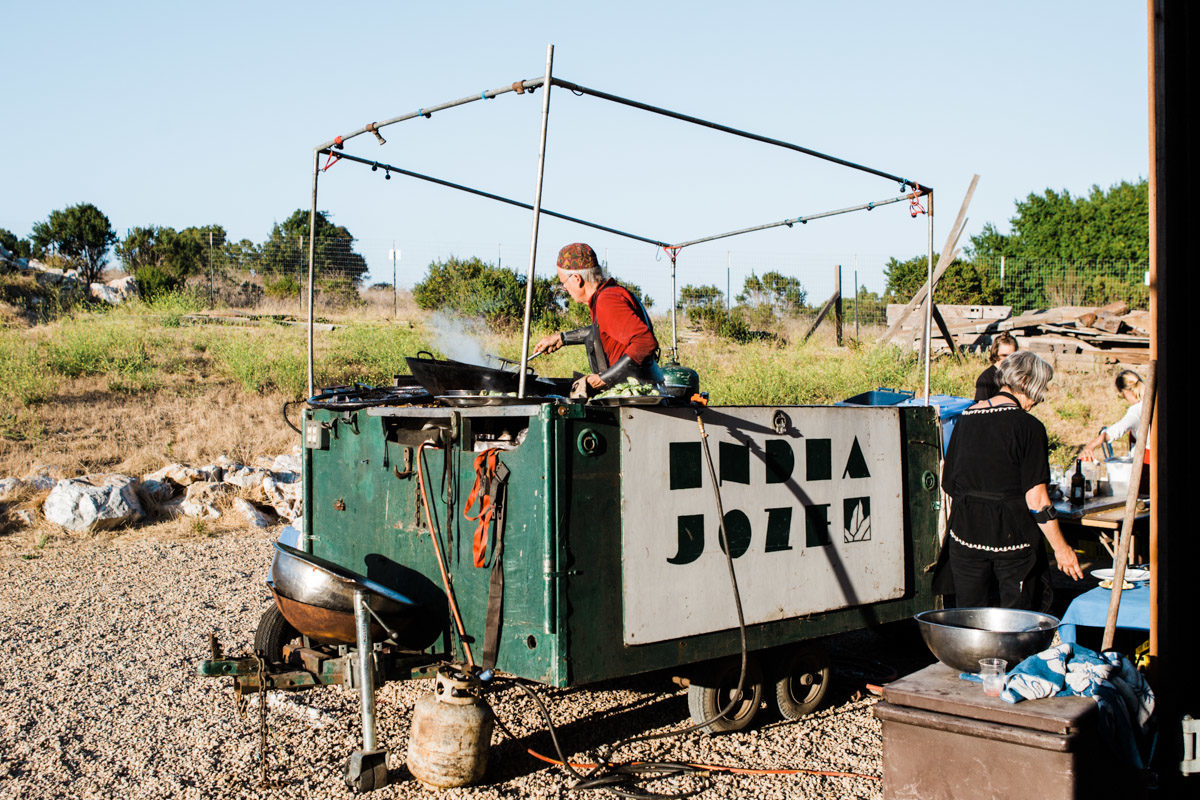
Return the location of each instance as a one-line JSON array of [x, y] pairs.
[[182, 115]]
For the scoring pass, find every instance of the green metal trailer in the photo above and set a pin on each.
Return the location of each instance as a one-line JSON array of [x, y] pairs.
[[611, 552]]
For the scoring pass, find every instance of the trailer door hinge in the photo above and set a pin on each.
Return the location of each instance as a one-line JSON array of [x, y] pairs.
[[563, 573], [1191, 751]]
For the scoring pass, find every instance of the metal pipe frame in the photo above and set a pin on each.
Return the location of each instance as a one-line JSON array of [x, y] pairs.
[[537, 215], [575, 87], [549, 81]]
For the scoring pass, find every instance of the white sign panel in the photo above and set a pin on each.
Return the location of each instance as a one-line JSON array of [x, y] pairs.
[[813, 515]]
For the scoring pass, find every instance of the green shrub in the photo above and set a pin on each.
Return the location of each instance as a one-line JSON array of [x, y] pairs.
[[281, 286], [473, 288], [153, 281]]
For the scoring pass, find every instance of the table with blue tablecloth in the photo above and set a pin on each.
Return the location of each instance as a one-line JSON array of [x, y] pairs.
[[1091, 609]]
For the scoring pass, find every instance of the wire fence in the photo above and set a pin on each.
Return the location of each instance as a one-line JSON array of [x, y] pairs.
[[279, 270]]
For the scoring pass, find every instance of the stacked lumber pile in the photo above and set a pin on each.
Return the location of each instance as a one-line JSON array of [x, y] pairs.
[[1085, 335]]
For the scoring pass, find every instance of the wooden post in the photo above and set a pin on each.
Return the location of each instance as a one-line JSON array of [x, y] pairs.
[[1131, 497], [821, 314], [837, 307]]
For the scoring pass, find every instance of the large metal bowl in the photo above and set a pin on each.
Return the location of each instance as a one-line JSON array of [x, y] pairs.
[[317, 597], [959, 637]]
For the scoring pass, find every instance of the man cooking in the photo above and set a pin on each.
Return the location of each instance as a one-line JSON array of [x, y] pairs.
[[620, 341]]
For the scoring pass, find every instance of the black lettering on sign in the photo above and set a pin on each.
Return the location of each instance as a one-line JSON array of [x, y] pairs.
[[780, 460], [691, 539], [856, 465], [779, 529], [816, 525], [685, 465], [737, 530], [857, 514], [735, 463], [818, 460]]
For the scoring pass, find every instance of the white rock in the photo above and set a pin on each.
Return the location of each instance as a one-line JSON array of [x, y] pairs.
[[287, 463], [200, 501], [251, 514], [245, 477], [8, 486], [105, 293], [125, 287], [94, 502], [185, 475], [285, 498], [43, 477], [24, 517], [155, 492]]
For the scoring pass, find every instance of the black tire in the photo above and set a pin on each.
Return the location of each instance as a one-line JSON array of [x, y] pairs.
[[272, 634], [709, 695], [802, 681]]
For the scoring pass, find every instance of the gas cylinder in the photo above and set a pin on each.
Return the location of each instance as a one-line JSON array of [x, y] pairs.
[[451, 732]]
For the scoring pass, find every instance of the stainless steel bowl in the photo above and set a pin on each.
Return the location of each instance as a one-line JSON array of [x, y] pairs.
[[959, 637], [317, 597]]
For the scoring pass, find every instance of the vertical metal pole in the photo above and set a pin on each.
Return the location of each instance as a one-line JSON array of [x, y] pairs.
[[365, 667], [856, 298], [210, 270], [728, 280], [537, 213], [395, 292], [674, 306], [929, 301], [312, 254]]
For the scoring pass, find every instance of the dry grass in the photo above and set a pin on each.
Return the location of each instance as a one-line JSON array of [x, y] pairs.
[[132, 389]]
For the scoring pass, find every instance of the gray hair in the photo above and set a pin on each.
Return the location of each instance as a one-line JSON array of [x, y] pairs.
[[1027, 373], [590, 274]]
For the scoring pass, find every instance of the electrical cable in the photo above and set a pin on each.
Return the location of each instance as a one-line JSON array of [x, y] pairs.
[[285, 415], [630, 768]]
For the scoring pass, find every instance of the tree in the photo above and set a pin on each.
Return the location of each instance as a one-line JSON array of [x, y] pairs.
[[473, 288], [775, 291], [160, 258], [14, 244], [80, 234], [335, 257], [696, 297], [963, 282], [1112, 225]]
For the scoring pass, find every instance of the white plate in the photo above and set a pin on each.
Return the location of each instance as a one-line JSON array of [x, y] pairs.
[[1131, 575]]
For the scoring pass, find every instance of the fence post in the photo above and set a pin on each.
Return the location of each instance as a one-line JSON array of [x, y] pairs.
[[837, 306]]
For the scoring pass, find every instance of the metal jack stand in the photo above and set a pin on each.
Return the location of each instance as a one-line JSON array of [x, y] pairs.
[[366, 769]]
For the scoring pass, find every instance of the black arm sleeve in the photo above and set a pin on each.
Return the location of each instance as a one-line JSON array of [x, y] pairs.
[[619, 371], [577, 336]]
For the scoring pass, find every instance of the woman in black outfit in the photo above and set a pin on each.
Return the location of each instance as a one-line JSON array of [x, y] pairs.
[[996, 473], [988, 383]]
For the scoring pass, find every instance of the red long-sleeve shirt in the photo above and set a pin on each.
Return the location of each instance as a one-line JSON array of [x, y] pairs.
[[618, 317]]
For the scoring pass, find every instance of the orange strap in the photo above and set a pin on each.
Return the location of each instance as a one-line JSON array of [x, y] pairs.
[[485, 470]]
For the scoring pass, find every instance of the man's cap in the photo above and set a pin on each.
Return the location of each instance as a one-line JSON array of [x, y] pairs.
[[578, 256]]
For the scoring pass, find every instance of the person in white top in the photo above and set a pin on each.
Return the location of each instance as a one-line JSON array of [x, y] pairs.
[[1130, 387]]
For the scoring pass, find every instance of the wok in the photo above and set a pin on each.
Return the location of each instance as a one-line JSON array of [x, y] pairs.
[[443, 377]]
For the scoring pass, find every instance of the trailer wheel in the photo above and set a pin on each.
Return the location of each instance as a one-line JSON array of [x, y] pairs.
[[802, 681], [707, 696], [272, 634]]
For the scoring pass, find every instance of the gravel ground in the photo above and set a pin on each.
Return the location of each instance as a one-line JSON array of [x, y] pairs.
[[98, 696]]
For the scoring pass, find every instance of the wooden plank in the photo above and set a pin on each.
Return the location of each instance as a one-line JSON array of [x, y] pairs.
[[820, 316], [941, 323]]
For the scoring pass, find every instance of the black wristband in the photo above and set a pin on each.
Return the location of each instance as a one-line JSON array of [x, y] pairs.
[[1045, 514]]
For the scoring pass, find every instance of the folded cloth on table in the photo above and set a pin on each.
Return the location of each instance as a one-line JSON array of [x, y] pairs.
[[1124, 699]]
